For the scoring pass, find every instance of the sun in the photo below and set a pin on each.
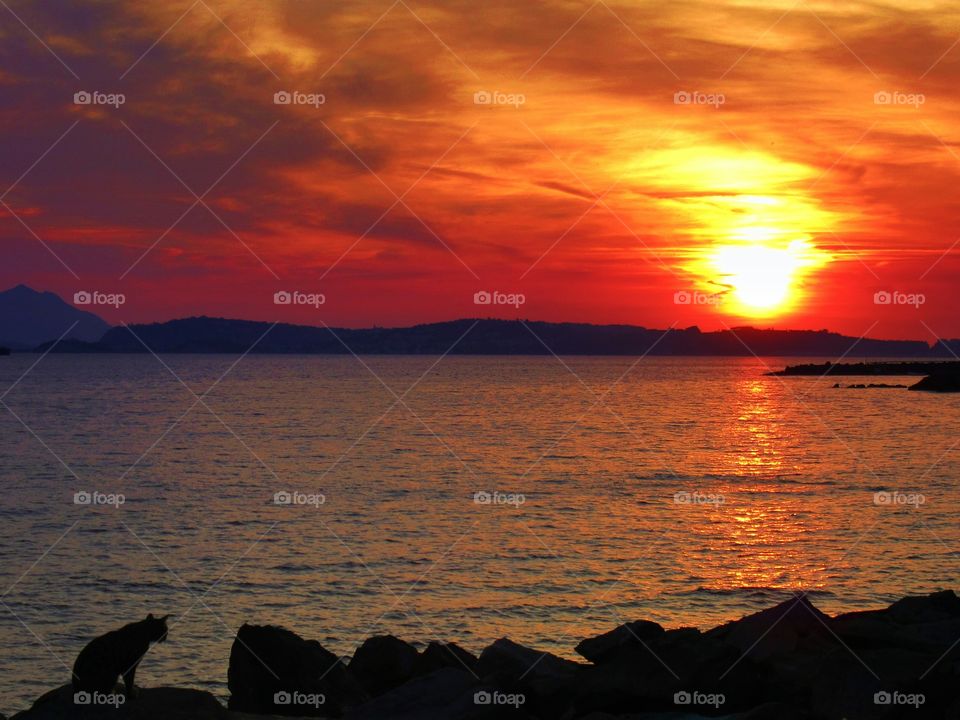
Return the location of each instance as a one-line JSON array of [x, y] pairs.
[[761, 278]]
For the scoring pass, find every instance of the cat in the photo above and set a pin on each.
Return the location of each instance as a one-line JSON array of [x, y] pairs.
[[116, 654]]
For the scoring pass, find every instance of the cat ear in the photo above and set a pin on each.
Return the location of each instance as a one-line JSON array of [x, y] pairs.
[[150, 616], [164, 618]]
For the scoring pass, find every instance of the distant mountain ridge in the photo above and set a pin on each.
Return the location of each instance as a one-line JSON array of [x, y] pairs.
[[32, 320], [489, 337], [29, 318]]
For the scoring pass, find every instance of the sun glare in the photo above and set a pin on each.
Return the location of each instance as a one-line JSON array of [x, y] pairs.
[[762, 280]]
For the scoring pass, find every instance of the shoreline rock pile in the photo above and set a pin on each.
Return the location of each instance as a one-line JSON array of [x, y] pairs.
[[789, 662]]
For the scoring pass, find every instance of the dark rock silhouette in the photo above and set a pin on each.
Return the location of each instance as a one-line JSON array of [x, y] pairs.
[[439, 655], [150, 704], [273, 670], [940, 382], [382, 663], [115, 654], [788, 662]]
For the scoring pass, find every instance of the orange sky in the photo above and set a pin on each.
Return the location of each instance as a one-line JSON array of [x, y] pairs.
[[813, 167]]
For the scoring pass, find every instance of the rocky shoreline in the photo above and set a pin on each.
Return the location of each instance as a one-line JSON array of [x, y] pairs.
[[789, 662]]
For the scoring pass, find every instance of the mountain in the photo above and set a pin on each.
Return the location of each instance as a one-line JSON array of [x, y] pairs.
[[489, 337], [29, 318]]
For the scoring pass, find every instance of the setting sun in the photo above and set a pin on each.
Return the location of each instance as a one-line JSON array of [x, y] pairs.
[[762, 279]]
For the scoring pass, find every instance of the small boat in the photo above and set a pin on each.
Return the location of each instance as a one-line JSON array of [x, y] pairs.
[[4, 351]]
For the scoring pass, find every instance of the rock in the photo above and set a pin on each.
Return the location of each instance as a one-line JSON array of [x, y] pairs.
[[148, 704], [273, 670], [383, 663], [547, 682], [793, 626], [613, 644], [506, 658], [939, 382], [447, 693], [943, 605], [444, 655]]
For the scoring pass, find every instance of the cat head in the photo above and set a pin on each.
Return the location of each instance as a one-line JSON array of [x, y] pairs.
[[156, 627]]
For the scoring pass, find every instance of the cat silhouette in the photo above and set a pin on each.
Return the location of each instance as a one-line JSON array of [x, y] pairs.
[[116, 654]]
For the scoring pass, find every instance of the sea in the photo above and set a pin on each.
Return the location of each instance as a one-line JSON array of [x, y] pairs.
[[448, 498]]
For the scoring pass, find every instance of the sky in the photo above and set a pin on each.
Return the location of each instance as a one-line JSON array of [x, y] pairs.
[[719, 163]]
